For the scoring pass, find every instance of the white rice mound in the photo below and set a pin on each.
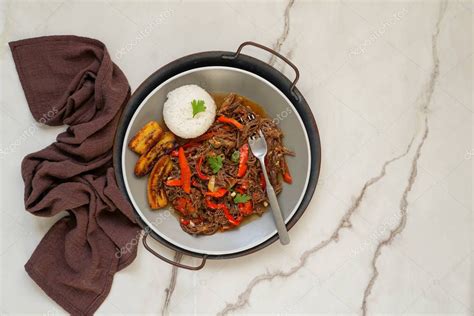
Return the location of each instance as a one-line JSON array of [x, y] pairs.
[[178, 111]]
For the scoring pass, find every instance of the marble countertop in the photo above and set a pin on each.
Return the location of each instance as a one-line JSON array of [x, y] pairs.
[[390, 227]]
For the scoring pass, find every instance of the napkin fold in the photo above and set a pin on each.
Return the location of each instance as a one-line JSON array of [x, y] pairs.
[[70, 80]]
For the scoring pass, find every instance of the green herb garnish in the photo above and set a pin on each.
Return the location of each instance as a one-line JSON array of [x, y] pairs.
[[215, 162], [241, 198], [235, 156], [198, 106]]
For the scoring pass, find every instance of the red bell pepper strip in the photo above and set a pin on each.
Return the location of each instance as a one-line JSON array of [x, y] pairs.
[[245, 208], [198, 169], [174, 153], [184, 206], [244, 184], [184, 221], [240, 190], [287, 177], [225, 209], [211, 204], [244, 157], [286, 172], [174, 183], [180, 205], [263, 183], [218, 193], [191, 144], [185, 171], [230, 218], [228, 120]]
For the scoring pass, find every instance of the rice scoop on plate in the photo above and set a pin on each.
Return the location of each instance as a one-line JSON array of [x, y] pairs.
[[189, 111]]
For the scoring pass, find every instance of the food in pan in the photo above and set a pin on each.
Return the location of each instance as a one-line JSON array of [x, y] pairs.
[[189, 111], [213, 182]]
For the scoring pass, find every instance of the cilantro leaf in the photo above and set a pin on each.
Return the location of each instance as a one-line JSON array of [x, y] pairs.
[[198, 106], [241, 198], [235, 156], [215, 162]]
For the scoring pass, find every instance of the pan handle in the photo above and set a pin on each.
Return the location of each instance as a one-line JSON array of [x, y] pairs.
[[271, 51], [176, 264]]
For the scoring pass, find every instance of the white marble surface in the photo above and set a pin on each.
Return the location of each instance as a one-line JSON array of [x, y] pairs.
[[376, 74]]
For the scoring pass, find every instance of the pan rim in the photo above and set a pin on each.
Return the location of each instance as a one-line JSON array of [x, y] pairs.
[[152, 227]]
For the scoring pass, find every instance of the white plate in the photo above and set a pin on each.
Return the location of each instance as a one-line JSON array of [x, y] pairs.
[[277, 106]]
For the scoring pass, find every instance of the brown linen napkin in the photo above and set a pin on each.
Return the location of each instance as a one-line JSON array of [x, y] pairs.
[[72, 80]]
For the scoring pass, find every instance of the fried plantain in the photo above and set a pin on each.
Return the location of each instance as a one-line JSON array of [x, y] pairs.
[[146, 138], [155, 190], [146, 161]]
